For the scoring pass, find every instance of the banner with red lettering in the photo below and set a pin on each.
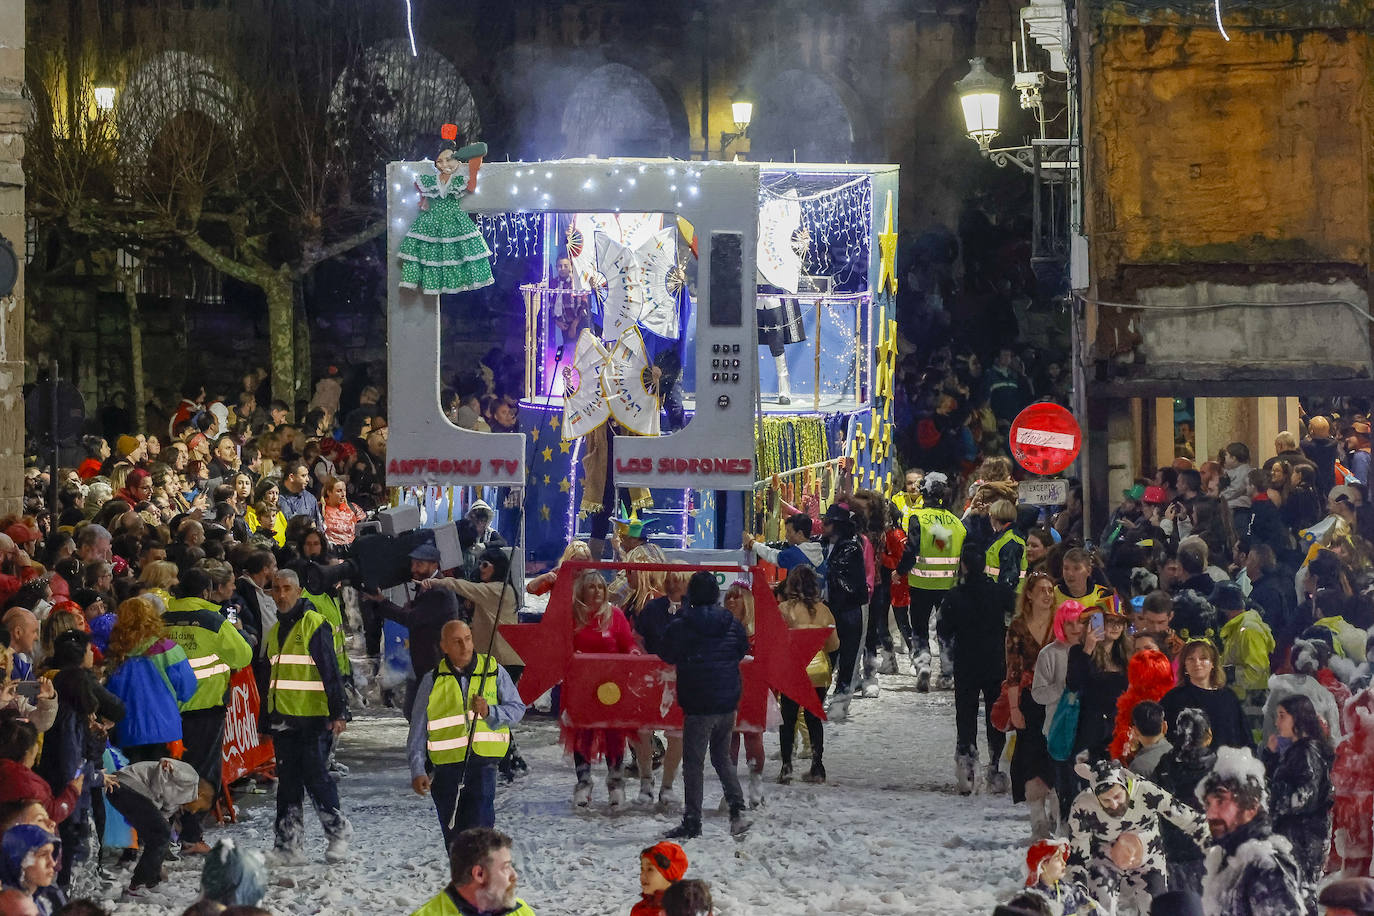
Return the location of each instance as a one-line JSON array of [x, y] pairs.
[[244, 750]]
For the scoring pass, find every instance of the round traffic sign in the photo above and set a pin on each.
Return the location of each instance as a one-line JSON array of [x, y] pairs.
[[1045, 438]]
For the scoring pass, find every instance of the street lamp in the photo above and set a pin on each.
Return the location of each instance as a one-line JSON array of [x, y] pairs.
[[104, 98], [981, 95], [742, 110]]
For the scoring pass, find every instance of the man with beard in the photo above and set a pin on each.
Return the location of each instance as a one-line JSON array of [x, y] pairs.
[[1250, 870], [1115, 847], [481, 878], [424, 615]]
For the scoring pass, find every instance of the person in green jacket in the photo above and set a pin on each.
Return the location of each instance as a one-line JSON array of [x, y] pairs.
[[1246, 645], [216, 649], [482, 878]]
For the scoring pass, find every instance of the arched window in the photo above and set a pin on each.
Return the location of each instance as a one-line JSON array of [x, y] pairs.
[[616, 111], [800, 117]]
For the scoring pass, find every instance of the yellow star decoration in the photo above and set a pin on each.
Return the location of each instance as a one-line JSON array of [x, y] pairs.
[[564, 446], [534, 434], [544, 513], [547, 453], [887, 246], [546, 480], [554, 421], [565, 484]]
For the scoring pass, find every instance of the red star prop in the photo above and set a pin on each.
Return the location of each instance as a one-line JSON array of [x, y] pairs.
[[638, 691]]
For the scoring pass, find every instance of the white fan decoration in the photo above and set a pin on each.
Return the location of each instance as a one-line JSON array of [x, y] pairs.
[[626, 228], [637, 284], [610, 383], [779, 261]]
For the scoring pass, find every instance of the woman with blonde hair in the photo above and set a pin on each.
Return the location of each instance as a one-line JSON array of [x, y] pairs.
[[543, 583], [151, 674], [598, 627], [159, 578]]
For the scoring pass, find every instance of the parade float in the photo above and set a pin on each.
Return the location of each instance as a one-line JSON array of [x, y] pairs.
[[698, 329]]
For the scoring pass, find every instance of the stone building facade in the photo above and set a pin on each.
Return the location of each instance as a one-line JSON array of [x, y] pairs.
[[14, 119], [1227, 214]]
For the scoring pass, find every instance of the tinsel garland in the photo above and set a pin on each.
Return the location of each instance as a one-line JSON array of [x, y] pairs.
[[785, 443]]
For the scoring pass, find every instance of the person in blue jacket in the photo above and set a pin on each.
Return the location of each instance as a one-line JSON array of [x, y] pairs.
[[151, 675], [707, 644]]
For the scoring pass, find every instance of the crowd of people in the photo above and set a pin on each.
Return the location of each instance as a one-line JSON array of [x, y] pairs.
[[1190, 694], [1186, 696]]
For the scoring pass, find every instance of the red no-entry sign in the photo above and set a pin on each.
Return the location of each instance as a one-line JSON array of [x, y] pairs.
[[1045, 439]]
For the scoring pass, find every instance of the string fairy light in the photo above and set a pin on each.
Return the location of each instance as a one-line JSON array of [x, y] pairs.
[[410, 30]]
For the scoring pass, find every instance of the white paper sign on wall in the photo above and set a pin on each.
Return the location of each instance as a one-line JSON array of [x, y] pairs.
[[1045, 491]]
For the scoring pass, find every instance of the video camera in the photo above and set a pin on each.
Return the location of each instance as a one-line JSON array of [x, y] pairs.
[[381, 557]]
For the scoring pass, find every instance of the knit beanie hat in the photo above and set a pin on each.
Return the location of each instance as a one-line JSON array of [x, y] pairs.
[[125, 444], [668, 858], [233, 876], [1039, 852]]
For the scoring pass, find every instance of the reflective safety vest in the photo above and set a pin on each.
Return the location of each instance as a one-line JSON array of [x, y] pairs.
[[937, 563], [442, 904], [295, 687], [993, 558], [907, 505], [329, 610], [449, 737], [212, 644]]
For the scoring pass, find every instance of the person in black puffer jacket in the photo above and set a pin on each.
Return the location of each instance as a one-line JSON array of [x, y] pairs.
[[1178, 773], [706, 644], [974, 621], [846, 585], [1300, 793]]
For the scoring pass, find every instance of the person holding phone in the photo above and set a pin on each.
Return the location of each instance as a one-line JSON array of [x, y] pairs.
[[1097, 671]]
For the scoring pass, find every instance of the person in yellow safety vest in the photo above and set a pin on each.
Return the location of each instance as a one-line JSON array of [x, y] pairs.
[[304, 710], [909, 500], [482, 878], [216, 649], [934, 538], [1006, 555], [467, 703]]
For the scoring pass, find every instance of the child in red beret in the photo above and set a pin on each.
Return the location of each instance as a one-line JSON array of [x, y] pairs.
[[659, 866]]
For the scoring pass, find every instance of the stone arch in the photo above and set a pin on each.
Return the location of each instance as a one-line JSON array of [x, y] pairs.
[[799, 111], [616, 111], [168, 86], [399, 101]]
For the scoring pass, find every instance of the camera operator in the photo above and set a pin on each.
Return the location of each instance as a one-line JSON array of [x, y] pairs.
[[424, 614]]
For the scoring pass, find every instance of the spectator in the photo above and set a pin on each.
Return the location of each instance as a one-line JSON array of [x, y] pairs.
[[1202, 686], [151, 675], [340, 518], [802, 608], [28, 864], [1246, 643], [1298, 759], [148, 794], [1248, 874], [1178, 772], [1320, 448], [482, 878]]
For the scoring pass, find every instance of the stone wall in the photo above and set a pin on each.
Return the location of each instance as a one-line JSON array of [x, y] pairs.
[[14, 116], [1228, 186]]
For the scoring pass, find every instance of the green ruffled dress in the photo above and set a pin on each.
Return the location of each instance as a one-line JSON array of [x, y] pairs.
[[444, 252]]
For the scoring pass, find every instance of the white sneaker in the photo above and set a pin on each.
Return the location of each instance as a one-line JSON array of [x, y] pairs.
[[965, 773], [645, 798], [617, 796], [337, 851], [282, 857], [945, 682], [755, 789], [582, 795], [668, 799], [871, 690]]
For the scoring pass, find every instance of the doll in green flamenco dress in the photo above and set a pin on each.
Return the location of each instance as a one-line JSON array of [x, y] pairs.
[[444, 252]]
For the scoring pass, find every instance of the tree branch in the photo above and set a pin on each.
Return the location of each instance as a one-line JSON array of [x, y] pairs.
[[348, 243]]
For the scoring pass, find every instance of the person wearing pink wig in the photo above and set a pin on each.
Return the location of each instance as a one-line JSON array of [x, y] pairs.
[[1051, 673]]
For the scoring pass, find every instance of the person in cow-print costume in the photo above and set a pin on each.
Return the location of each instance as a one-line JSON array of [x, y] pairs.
[[1114, 843]]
